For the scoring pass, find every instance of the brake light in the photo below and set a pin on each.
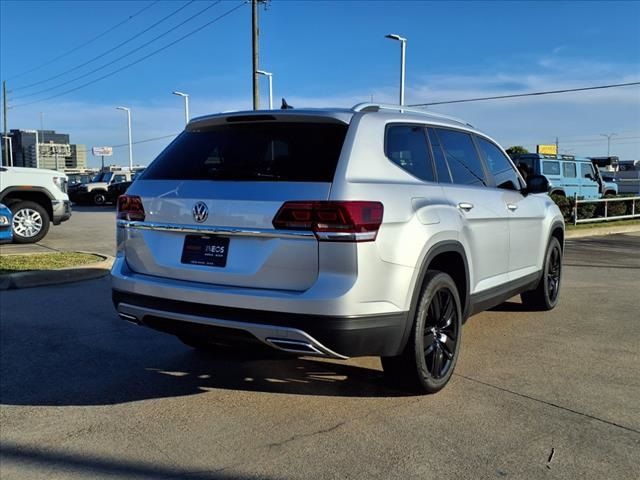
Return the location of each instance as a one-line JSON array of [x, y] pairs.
[[350, 221], [130, 208]]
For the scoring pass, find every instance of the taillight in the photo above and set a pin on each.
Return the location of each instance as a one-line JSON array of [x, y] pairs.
[[351, 221], [130, 208]]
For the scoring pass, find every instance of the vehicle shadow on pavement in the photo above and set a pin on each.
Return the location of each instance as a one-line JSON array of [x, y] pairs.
[[133, 364], [511, 307], [22, 456], [77, 207]]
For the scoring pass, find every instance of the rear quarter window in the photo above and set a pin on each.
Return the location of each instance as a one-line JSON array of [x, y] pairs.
[[406, 146], [265, 151]]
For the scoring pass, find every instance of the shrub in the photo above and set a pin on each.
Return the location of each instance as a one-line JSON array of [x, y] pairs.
[[565, 205], [614, 209], [586, 210]]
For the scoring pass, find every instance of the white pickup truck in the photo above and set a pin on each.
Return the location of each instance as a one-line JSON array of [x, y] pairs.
[[37, 198]]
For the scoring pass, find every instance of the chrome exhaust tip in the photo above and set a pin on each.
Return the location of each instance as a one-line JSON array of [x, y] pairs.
[[295, 346], [129, 318]]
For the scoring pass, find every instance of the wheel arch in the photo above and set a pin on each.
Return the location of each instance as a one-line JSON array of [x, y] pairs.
[[557, 230], [37, 195], [447, 256]]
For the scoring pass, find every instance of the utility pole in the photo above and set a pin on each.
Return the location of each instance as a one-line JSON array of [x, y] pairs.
[[5, 137], [557, 146], [255, 46]]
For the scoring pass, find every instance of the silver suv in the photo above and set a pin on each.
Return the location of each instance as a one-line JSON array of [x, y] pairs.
[[376, 230]]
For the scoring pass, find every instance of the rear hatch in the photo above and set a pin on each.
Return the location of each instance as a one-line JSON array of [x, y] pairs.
[[210, 199]]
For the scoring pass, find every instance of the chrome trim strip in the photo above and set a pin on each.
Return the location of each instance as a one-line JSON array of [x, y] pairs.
[[214, 230], [262, 332], [347, 236]]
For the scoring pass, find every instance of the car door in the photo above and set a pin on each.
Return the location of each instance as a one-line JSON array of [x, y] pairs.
[[526, 212], [570, 179], [485, 228], [589, 186]]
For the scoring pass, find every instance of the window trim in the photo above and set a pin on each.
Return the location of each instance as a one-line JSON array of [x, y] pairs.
[[433, 156], [487, 180], [423, 127], [521, 180]]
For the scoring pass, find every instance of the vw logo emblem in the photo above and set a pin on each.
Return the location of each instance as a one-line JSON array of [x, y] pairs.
[[200, 212]]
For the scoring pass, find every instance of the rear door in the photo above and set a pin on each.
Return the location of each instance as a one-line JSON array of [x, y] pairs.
[[211, 196], [570, 179], [481, 209]]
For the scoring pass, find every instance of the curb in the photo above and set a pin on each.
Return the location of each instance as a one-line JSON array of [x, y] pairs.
[[41, 278], [604, 230]]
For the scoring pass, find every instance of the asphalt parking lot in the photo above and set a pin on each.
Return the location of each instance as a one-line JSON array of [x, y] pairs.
[[535, 395]]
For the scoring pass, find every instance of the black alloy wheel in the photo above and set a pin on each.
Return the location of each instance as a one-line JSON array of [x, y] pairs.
[[429, 357], [553, 274], [545, 295], [440, 333]]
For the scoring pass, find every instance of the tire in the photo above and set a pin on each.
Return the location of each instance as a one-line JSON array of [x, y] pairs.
[[545, 295], [438, 322], [99, 198], [30, 222]]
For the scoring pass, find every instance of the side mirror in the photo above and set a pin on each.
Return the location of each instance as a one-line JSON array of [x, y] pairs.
[[537, 184]]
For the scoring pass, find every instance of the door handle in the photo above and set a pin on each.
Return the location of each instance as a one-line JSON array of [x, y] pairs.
[[512, 207], [466, 206]]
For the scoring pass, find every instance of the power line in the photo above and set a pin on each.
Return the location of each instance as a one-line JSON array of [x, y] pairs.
[[228, 12], [87, 42], [157, 37], [100, 55], [596, 140], [531, 94], [146, 140]]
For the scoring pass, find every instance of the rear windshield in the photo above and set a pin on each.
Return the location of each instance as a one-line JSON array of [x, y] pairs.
[[278, 151]]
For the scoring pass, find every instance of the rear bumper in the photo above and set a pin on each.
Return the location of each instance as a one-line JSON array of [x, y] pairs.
[[329, 336]]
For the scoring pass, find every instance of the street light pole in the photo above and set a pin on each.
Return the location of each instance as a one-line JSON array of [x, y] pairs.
[[9, 145], [128, 110], [269, 76], [186, 105], [608, 141], [403, 49]]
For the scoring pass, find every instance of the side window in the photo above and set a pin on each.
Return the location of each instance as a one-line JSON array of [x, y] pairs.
[[586, 170], [406, 146], [569, 169], [462, 157], [119, 178], [551, 168], [499, 166], [438, 156]]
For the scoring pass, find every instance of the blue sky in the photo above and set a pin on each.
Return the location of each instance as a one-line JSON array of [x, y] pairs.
[[329, 54]]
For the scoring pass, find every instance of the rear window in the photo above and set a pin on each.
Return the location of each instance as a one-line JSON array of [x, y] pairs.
[[569, 169], [551, 168], [278, 151]]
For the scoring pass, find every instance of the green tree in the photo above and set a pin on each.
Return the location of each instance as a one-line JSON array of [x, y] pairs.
[[516, 150]]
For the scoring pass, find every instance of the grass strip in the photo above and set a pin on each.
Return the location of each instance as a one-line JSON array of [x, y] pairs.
[[44, 261], [615, 223]]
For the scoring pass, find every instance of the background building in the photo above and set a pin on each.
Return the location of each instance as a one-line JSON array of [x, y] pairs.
[[55, 151], [78, 158]]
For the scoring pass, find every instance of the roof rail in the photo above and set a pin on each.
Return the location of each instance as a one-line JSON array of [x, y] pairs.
[[375, 107]]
